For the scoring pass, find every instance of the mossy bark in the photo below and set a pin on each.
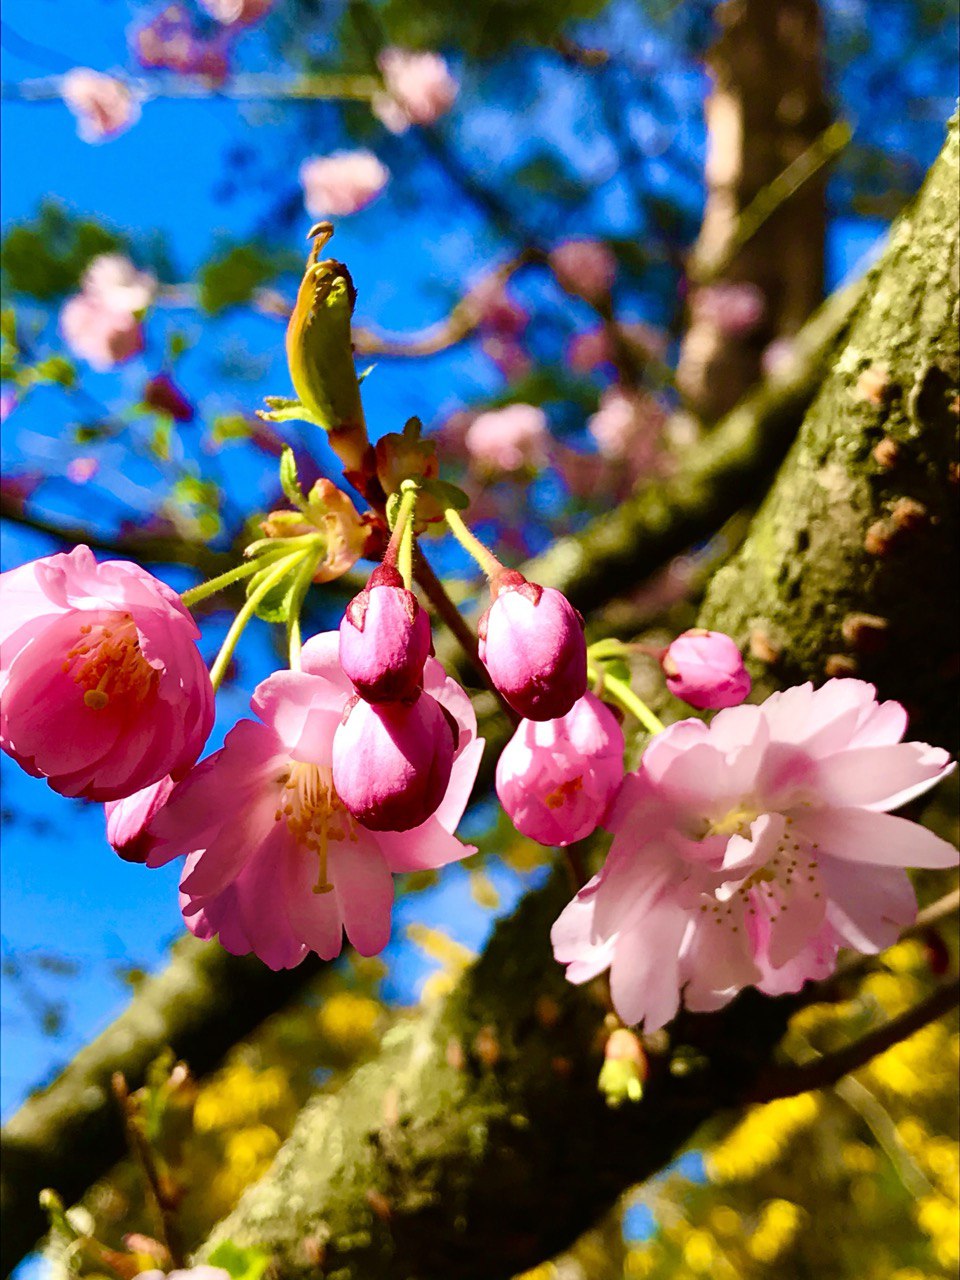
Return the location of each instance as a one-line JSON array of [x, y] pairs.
[[850, 565], [476, 1145]]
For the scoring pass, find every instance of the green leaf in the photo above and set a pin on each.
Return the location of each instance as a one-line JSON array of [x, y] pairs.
[[45, 258], [277, 604], [230, 426], [232, 277], [247, 1263], [448, 495], [286, 409], [289, 481], [55, 370]]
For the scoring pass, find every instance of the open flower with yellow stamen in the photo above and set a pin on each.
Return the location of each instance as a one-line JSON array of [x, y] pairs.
[[276, 864], [749, 850], [102, 688]]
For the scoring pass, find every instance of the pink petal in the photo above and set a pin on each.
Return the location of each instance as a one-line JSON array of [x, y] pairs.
[[884, 777], [320, 656], [314, 917], [428, 846], [364, 888], [303, 710], [868, 910], [645, 975], [862, 836]]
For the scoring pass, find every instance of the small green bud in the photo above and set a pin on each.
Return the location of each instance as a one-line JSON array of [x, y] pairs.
[[624, 1069]]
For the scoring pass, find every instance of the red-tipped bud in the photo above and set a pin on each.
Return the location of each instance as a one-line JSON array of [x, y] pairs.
[[532, 643], [392, 761], [385, 639], [705, 669]]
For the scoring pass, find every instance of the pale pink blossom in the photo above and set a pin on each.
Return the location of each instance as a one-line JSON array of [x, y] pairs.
[[532, 643], [495, 310], [104, 106], [778, 357], [556, 778], [585, 268], [283, 868], [170, 41], [420, 89], [102, 688], [509, 355], [341, 183], [80, 470], [594, 347], [734, 308], [237, 13], [629, 426], [510, 438], [111, 278], [705, 669], [187, 1273], [95, 332], [748, 851]]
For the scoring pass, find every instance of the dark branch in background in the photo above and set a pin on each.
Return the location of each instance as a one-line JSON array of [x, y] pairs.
[[69, 1133], [786, 1081]]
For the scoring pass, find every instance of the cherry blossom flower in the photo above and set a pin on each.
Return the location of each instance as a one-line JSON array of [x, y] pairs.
[[102, 688], [556, 778], [496, 311], [532, 643], [170, 41], [80, 470], [104, 106], [237, 13], [284, 869], [733, 308], [95, 332], [112, 279], [630, 427], [748, 851], [585, 268], [705, 669], [341, 183], [508, 439], [420, 89]]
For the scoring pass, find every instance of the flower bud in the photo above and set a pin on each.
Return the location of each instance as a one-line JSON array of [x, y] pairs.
[[385, 639], [392, 761], [705, 668], [624, 1069], [532, 643], [555, 779]]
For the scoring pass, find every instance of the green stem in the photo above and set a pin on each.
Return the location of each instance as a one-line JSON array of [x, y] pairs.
[[487, 561], [622, 692], [301, 587], [200, 592], [400, 549], [222, 660]]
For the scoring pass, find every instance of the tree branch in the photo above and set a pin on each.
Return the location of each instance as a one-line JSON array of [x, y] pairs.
[[786, 1081]]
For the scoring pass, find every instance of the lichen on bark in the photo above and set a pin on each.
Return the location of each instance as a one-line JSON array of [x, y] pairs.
[[849, 566], [476, 1144]]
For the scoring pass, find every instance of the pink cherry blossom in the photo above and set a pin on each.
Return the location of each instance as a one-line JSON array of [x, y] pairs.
[[385, 639], [509, 355], [341, 183], [128, 819], [585, 268], [705, 669], [594, 347], [733, 308], [102, 688], [284, 868], [237, 13], [80, 470], [95, 332], [532, 643], [392, 761], [748, 851], [496, 311], [420, 89], [556, 778], [112, 279], [170, 41], [630, 427], [104, 106], [508, 439]]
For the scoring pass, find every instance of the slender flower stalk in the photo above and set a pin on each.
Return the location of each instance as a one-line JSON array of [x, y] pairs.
[[485, 558], [222, 660], [621, 691], [203, 590]]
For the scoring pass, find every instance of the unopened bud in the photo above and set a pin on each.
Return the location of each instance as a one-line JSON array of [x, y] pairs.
[[385, 639], [705, 669], [624, 1069]]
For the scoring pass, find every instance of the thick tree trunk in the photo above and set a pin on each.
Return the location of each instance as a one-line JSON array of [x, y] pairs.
[[476, 1144], [767, 106]]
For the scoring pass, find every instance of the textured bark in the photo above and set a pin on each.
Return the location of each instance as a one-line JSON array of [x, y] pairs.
[[849, 567], [69, 1133], [765, 108], [475, 1144]]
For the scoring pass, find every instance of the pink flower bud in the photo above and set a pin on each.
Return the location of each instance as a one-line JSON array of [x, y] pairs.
[[385, 639], [705, 668], [532, 643], [555, 779], [392, 762], [585, 268]]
